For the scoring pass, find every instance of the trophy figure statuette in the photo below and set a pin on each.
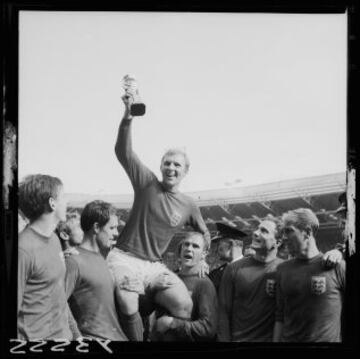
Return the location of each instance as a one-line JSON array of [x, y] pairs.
[[131, 89]]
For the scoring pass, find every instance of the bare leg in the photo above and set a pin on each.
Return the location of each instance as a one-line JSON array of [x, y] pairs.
[[176, 300], [128, 301]]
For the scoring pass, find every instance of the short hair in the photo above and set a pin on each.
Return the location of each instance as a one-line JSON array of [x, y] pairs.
[[191, 234], [96, 212], [177, 151], [301, 218], [35, 192]]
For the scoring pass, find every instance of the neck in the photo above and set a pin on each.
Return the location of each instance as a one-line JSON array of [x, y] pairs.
[[190, 270], [89, 243], [168, 188], [310, 252], [236, 255], [265, 257], [45, 225]]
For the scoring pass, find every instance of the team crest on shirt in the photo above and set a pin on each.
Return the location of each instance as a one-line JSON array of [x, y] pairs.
[[270, 287], [175, 219], [318, 285]]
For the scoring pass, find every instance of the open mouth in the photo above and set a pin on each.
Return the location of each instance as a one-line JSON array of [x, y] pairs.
[[255, 243], [187, 256]]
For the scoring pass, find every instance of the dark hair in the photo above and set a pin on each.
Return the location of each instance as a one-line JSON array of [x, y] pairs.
[[35, 192], [96, 212]]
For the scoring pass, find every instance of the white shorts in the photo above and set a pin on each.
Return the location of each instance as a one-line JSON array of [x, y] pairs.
[[124, 266]]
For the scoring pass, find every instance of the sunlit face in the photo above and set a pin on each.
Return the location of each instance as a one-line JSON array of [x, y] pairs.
[[224, 251], [59, 205], [173, 169], [264, 238], [106, 235], [295, 239], [192, 251]]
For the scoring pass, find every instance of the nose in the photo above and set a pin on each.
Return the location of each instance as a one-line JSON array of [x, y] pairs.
[[256, 234]]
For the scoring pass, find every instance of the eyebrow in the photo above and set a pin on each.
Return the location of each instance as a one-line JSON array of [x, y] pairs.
[[169, 161]]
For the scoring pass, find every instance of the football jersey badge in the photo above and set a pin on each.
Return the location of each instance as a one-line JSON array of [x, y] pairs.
[[175, 219], [270, 287], [318, 285]]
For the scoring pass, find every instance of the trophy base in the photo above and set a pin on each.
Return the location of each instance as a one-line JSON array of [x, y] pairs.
[[137, 109]]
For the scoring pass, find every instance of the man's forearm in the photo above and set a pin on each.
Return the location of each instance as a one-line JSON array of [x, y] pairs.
[[196, 330], [123, 145]]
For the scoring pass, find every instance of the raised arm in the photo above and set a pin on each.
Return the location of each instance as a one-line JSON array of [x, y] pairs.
[[139, 174], [123, 146]]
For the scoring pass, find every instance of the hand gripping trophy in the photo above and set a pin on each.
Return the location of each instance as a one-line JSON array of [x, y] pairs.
[[130, 86]]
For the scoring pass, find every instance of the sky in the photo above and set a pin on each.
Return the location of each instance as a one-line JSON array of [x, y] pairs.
[[252, 98]]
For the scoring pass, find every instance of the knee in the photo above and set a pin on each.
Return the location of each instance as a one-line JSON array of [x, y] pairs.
[[128, 301], [187, 306], [183, 306]]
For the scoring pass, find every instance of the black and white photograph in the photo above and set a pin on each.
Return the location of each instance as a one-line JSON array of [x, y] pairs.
[[180, 176]]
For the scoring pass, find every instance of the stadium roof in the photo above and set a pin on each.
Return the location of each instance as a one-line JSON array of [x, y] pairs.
[[304, 188]]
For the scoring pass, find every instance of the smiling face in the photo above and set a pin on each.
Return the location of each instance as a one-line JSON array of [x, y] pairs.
[[105, 235], [173, 169], [264, 238], [192, 251]]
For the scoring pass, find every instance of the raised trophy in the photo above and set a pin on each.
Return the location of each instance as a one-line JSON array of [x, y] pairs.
[[129, 84]]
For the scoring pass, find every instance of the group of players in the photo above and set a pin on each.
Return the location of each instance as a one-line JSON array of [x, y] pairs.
[[120, 290]]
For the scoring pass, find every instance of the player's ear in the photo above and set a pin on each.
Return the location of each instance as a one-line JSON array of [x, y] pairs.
[[64, 236], [52, 204], [203, 255], [96, 227], [308, 231]]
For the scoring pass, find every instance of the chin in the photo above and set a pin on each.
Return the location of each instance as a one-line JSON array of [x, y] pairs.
[[170, 184]]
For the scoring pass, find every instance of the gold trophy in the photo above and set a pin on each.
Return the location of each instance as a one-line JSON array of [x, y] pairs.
[[130, 86]]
